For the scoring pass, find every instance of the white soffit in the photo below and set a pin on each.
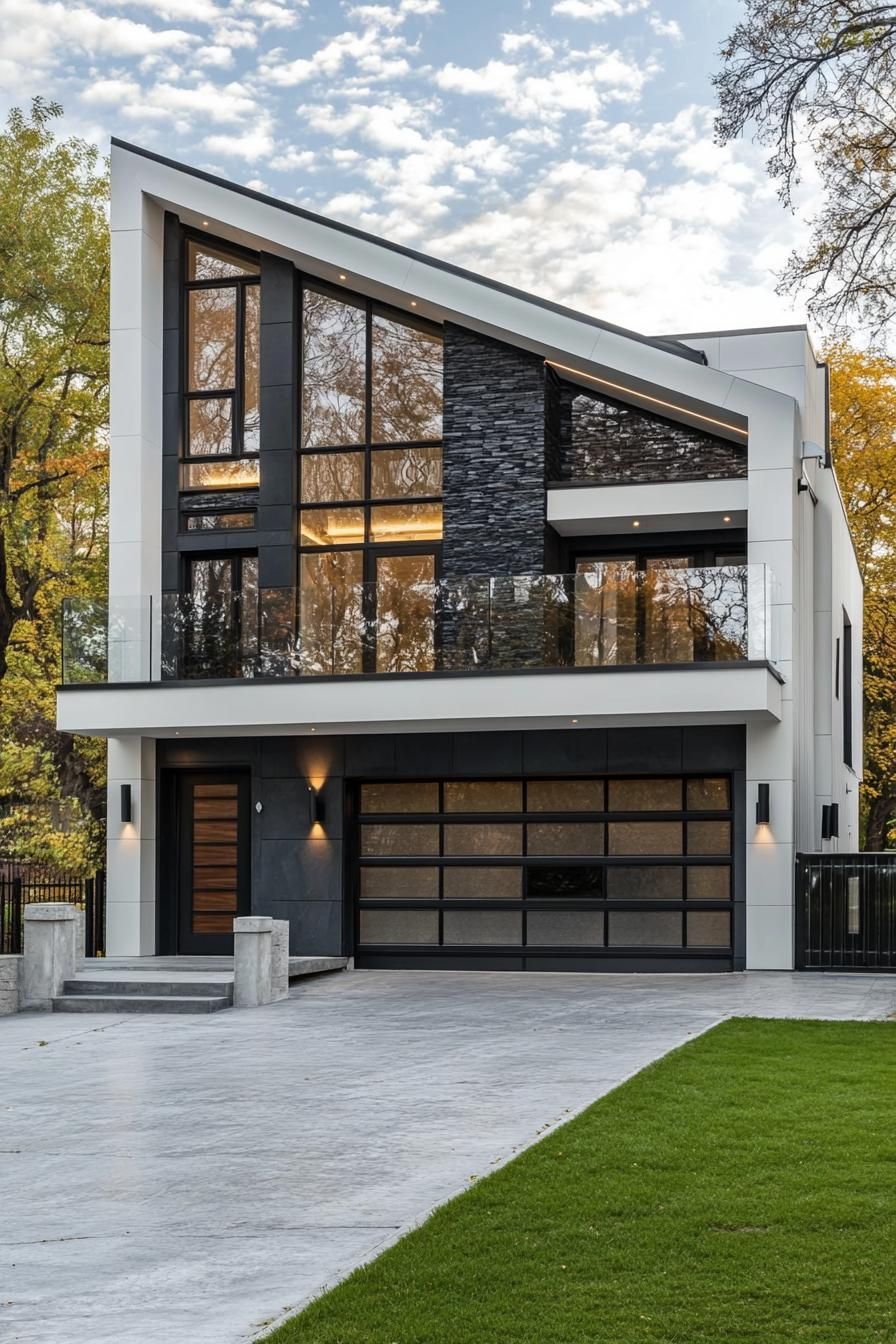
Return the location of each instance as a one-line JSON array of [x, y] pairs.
[[679, 506]]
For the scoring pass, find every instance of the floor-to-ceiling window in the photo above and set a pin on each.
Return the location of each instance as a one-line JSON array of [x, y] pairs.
[[370, 486]]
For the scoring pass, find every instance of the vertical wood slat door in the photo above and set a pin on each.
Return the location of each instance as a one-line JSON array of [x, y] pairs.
[[214, 885]]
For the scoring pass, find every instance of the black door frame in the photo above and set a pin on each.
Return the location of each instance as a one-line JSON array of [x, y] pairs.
[[173, 858]]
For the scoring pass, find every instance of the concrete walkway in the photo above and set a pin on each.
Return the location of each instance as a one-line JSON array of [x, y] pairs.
[[173, 1179]]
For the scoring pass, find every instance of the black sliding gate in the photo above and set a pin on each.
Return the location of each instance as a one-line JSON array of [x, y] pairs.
[[846, 912]]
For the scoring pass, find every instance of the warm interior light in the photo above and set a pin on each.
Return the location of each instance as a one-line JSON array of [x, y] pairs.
[[643, 396]]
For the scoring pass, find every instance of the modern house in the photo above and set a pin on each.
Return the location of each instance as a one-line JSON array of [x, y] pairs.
[[458, 628]]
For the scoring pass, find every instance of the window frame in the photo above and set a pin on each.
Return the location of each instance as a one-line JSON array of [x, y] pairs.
[[236, 394], [367, 446]]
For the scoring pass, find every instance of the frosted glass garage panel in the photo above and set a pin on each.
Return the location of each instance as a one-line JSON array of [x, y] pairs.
[[399, 884], [645, 928], [483, 928], [399, 926], [565, 928]]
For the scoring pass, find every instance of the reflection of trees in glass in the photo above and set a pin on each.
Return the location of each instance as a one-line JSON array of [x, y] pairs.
[[212, 339], [405, 613], [605, 613], [333, 371], [330, 477], [205, 262], [696, 614], [397, 473], [211, 428], [251, 371], [407, 382], [331, 613]]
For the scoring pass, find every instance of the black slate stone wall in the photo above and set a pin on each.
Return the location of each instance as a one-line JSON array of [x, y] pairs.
[[605, 441], [494, 457]]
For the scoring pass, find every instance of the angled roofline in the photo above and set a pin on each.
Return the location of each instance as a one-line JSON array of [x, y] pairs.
[[665, 343]]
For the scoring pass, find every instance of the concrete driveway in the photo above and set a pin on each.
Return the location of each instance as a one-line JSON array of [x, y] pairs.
[[174, 1179]]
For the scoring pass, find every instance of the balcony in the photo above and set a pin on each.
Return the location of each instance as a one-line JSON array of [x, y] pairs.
[[611, 616], [608, 646]]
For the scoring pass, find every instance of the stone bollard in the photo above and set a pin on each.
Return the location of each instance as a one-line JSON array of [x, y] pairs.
[[279, 960], [252, 939], [80, 934], [49, 956], [10, 979]]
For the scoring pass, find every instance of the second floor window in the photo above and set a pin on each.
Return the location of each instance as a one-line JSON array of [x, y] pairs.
[[370, 485], [222, 427]]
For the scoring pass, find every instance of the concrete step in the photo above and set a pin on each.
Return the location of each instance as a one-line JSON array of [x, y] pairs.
[[140, 1003], [155, 988]]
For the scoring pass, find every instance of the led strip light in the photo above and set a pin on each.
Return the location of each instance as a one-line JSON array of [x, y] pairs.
[[643, 396]]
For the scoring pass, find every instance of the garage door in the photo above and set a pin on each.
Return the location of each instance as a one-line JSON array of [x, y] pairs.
[[545, 874]]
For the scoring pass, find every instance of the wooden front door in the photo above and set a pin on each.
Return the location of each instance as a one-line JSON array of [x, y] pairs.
[[213, 885]]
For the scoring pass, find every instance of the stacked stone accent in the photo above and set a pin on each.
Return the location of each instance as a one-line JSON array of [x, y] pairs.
[[494, 499], [606, 442]]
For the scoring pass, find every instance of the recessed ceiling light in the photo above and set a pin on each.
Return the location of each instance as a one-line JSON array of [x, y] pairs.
[[343, 277], [413, 303], [314, 730], [205, 223], [727, 518], [573, 720], [636, 522]]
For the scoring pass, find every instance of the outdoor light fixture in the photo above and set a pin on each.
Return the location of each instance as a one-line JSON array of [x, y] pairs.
[[830, 821], [125, 803], [762, 805], [727, 518], [636, 522], [315, 806]]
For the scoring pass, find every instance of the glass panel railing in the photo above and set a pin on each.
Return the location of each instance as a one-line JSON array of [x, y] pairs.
[[609, 615], [106, 641]]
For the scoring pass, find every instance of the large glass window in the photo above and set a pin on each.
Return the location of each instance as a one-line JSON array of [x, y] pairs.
[[370, 482], [222, 424]]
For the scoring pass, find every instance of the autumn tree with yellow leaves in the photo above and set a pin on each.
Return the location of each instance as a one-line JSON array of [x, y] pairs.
[[54, 379], [863, 442]]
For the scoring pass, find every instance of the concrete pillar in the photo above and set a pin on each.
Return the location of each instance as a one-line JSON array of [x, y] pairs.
[[131, 849], [252, 940], [49, 957], [279, 960], [10, 980]]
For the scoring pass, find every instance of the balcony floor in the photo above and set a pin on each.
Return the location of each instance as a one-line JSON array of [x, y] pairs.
[[453, 702]]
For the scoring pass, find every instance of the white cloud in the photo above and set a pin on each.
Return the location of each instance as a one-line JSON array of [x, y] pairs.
[[219, 56], [665, 27], [583, 81], [252, 145], [596, 9]]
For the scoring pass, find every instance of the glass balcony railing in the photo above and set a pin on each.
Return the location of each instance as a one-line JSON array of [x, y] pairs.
[[609, 616]]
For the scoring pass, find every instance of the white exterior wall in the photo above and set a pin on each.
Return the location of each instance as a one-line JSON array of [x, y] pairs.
[[794, 731], [135, 547]]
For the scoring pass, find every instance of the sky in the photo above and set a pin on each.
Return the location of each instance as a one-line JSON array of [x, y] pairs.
[[564, 146]]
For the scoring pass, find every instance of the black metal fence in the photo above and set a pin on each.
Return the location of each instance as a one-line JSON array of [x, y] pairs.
[[846, 912], [24, 883]]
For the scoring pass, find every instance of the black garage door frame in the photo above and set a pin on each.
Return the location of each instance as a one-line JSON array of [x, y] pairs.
[[613, 954]]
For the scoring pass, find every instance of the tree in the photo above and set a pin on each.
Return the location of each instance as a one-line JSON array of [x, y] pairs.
[[54, 295], [818, 77], [863, 442]]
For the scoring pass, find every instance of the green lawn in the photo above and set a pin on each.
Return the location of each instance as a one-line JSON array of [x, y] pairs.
[[743, 1188]]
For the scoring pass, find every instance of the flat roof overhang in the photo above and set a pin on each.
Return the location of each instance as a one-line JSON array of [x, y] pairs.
[[707, 693]]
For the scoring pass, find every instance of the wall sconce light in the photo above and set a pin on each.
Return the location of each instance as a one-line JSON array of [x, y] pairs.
[[315, 806], [763, 811], [125, 803], [830, 820]]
